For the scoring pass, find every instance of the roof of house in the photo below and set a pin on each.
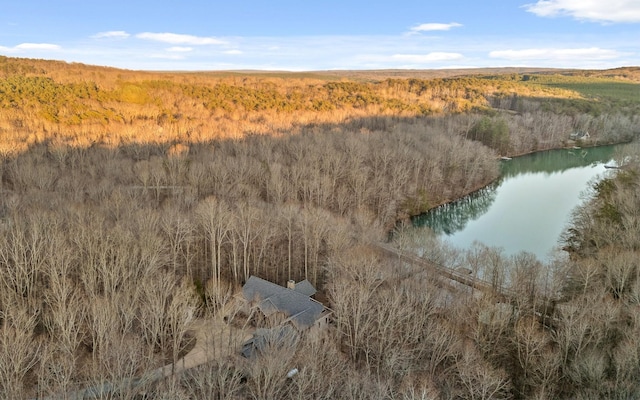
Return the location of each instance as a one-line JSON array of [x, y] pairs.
[[301, 310], [305, 287]]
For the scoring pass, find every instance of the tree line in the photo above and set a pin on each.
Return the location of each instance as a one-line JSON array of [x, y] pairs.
[[116, 236], [80, 105]]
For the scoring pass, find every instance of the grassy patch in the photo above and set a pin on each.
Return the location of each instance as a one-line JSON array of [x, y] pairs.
[[593, 87]]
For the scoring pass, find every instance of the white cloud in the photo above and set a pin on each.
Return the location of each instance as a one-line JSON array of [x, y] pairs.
[[427, 58], [606, 49], [37, 46], [180, 49], [167, 56], [31, 46], [111, 35], [434, 26], [176, 38], [550, 54], [589, 10]]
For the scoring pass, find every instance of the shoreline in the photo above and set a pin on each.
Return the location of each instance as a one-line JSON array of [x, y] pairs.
[[408, 218]]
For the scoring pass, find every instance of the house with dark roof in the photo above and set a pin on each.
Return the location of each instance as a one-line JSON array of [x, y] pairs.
[[292, 304]]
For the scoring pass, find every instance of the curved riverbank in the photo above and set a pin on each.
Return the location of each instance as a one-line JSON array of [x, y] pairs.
[[530, 206], [510, 157]]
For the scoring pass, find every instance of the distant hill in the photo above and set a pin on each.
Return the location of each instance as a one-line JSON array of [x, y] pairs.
[[85, 104]]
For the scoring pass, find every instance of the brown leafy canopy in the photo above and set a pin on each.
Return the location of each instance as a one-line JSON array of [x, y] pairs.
[[81, 104]]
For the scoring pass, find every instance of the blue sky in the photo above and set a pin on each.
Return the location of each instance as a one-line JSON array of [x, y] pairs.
[[322, 35]]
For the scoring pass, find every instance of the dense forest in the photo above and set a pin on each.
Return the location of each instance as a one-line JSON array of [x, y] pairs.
[[135, 205]]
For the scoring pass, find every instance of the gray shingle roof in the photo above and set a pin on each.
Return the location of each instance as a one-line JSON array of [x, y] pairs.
[[301, 310], [305, 287]]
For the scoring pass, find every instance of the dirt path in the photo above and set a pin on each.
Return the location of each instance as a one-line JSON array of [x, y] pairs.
[[215, 340]]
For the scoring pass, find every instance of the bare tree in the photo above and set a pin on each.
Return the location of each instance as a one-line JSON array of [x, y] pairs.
[[215, 218], [351, 292], [539, 362], [155, 301], [268, 372], [247, 230], [181, 234], [180, 316], [57, 373], [289, 215], [621, 269], [479, 380], [214, 380], [315, 226], [19, 349]]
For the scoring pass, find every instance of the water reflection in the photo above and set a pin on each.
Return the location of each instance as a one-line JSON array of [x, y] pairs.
[[555, 161], [453, 217], [527, 208]]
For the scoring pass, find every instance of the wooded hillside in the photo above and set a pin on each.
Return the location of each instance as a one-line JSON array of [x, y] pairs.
[[133, 203], [78, 105]]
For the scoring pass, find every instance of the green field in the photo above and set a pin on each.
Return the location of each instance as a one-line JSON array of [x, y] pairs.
[[593, 87]]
